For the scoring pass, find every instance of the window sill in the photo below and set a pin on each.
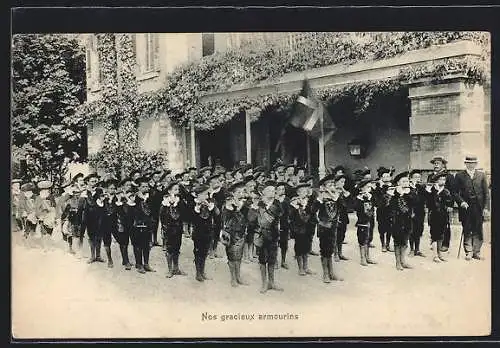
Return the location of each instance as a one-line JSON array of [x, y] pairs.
[[148, 75], [94, 88]]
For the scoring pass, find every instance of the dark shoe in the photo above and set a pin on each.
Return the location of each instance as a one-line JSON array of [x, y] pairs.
[[368, 258], [384, 249], [477, 257], [343, 258], [169, 274], [99, 259], [232, 272], [371, 245], [397, 254], [305, 263], [331, 273], [199, 276], [436, 259], [238, 274], [300, 264], [263, 276], [91, 260], [273, 286], [284, 265], [402, 257], [179, 272], [419, 253], [148, 268], [128, 266], [156, 244], [141, 269], [467, 256], [326, 275], [362, 255], [110, 264]]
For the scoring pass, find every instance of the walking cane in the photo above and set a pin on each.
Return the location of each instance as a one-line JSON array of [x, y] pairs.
[[461, 238], [460, 245]]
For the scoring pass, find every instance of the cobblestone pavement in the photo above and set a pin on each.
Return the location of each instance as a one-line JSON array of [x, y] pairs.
[[58, 295]]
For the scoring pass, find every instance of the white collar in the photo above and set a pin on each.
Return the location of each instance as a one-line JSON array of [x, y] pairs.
[[212, 192], [360, 196], [167, 202], [143, 196], [402, 191]]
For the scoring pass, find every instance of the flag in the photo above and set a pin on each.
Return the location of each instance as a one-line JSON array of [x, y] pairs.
[[311, 115]]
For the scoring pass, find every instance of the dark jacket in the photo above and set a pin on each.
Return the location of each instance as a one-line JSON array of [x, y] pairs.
[[468, 189], [172, 215], [298, 220]]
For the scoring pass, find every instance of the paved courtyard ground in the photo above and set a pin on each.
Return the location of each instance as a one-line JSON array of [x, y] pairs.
[[58, 295]]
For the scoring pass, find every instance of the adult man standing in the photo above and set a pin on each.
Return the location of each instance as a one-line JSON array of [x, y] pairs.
[[472, 197], [439, 163]]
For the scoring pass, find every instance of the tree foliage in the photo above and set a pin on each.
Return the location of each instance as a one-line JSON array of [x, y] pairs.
[[48, 84]]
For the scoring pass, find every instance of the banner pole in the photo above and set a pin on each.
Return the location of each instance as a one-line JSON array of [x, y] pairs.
[[321, 143]]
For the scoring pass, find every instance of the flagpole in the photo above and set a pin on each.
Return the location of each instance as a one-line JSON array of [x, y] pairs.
[[321, 143]]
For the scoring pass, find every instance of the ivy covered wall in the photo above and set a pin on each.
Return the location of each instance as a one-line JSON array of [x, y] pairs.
[[179, 98]]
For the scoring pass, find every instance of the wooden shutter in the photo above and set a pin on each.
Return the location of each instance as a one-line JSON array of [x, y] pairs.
[[156, 46]]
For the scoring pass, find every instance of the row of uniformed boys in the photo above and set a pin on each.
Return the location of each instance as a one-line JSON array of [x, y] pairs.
[[247, 208]]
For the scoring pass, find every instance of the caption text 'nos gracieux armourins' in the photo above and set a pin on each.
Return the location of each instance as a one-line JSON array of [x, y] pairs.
[[248, 316]]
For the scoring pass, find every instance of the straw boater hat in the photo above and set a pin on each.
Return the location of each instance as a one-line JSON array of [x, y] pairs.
[[470, 159]]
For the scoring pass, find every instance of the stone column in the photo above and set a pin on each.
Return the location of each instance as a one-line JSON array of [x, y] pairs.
[[447, 118]]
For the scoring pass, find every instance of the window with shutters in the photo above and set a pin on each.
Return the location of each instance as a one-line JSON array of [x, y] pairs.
[[94, 73], [208, 44], [88, 63], [151, 52]]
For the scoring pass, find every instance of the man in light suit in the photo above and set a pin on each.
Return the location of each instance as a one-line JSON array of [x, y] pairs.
[[471, 195]]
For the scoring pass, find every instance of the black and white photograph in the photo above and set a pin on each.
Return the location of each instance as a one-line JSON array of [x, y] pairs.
[[250, 184]]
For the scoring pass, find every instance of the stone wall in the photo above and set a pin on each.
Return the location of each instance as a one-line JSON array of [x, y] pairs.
[[447, 119]]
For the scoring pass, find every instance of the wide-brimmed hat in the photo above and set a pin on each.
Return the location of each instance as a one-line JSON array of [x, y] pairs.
[[438, 158], [363, 183], [470, 159], [335, 169], [330, 177], [341, 176], [236, 185], [383, 170], [27, 187], [200, 188], [401, 175]]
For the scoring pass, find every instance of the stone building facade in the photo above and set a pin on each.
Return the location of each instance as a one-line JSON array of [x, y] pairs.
[[450, 118]]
